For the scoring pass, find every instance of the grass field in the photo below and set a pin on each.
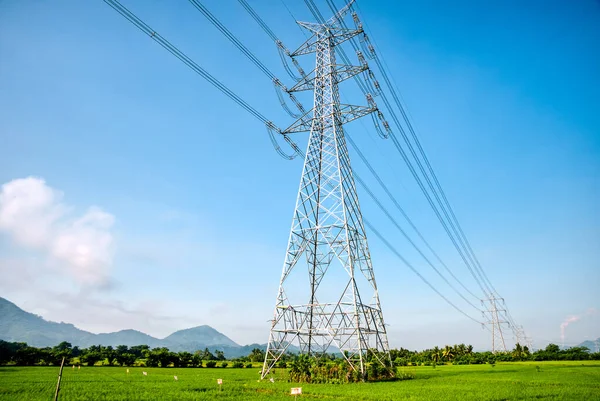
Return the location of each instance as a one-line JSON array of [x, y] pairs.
[[505, 381]]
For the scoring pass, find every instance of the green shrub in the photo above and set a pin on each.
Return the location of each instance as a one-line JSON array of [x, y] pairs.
[[211, 364], [249, 365], [304, 369], [405, 373], [224, 364], [237, 364], [400, 362]]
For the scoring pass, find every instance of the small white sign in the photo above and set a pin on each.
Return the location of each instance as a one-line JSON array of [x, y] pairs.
[[175, 377], [145, 373], [219, 381], [296, 390]]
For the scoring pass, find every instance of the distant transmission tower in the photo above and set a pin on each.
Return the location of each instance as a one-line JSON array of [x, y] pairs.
[[327, 226], [521, 337], [498, 343]]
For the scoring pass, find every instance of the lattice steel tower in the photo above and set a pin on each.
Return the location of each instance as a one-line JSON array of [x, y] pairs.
[[328, 236], [498, 343]]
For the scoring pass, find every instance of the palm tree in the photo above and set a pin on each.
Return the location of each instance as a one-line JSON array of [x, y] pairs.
[[469, 349], [518, 352], [447, 353], [435, 355]]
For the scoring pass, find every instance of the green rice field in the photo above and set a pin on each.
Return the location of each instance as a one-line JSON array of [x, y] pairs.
[[504, 381]]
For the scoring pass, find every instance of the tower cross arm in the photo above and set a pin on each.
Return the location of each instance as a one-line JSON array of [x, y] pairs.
[[342, 72], [348, 112], [338, 17], [336, 36]]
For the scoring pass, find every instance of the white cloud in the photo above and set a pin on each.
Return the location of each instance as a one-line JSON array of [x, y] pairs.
[[34, 217]]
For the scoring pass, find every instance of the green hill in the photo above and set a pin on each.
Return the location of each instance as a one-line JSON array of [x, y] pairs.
[[17, 325]]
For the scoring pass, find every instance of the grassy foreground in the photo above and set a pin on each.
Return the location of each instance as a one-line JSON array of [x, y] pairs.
[[505, 381]]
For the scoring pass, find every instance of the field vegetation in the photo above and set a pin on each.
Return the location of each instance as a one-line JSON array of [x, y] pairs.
[[440, 373], [565, 380], [21, 354]]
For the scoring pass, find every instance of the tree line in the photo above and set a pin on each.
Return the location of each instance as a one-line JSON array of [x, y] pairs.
[[21, 354], [461, 354], [15, 353]]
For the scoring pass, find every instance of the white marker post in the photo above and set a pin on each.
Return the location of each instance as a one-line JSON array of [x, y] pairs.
[[220, 382], [295, 391]]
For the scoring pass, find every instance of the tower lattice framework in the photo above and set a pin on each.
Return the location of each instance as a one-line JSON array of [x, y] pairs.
[[496, 322], [328, 236]]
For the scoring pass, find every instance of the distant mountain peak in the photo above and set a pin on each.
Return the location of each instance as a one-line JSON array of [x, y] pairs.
[[17, 325], [201, 334]]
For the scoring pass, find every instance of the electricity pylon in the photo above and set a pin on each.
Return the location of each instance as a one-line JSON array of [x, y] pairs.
[[521, 337], [498, 343], [327, 226]]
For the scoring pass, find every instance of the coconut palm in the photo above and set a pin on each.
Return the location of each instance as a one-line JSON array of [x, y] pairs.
[[447, 353], [435, 354]]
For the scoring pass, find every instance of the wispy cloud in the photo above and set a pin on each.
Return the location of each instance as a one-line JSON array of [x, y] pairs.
[[35, 218]]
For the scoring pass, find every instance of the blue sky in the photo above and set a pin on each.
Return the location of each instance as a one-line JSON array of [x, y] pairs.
[[184, 209]]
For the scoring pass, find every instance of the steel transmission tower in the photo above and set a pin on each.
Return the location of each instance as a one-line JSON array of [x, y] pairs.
[[521, 337], [498, 343], [327, 237]]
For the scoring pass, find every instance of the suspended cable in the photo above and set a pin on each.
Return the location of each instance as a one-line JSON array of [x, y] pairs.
[[142, 26], [393, 89], [448, 226], [411, 267], [318, 16], [401, 210], [233, 39], [395, 223], [270, 126], [314, 10], [284, 53], [294, 18]]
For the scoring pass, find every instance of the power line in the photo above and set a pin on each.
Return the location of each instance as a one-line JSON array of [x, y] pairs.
[[481, 277], [131, 17], [294, 18], [415, 138], [408, 219], [233, 39], [145, 28], [213, 20], [314, 10], [411, 267], [457, 242], [273, 36]]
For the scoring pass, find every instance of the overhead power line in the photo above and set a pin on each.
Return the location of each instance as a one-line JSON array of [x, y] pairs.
[[273, 36], [145, 28], [131, 17], [438, 207]]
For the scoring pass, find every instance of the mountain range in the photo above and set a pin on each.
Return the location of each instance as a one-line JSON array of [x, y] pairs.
[[17, 325]]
